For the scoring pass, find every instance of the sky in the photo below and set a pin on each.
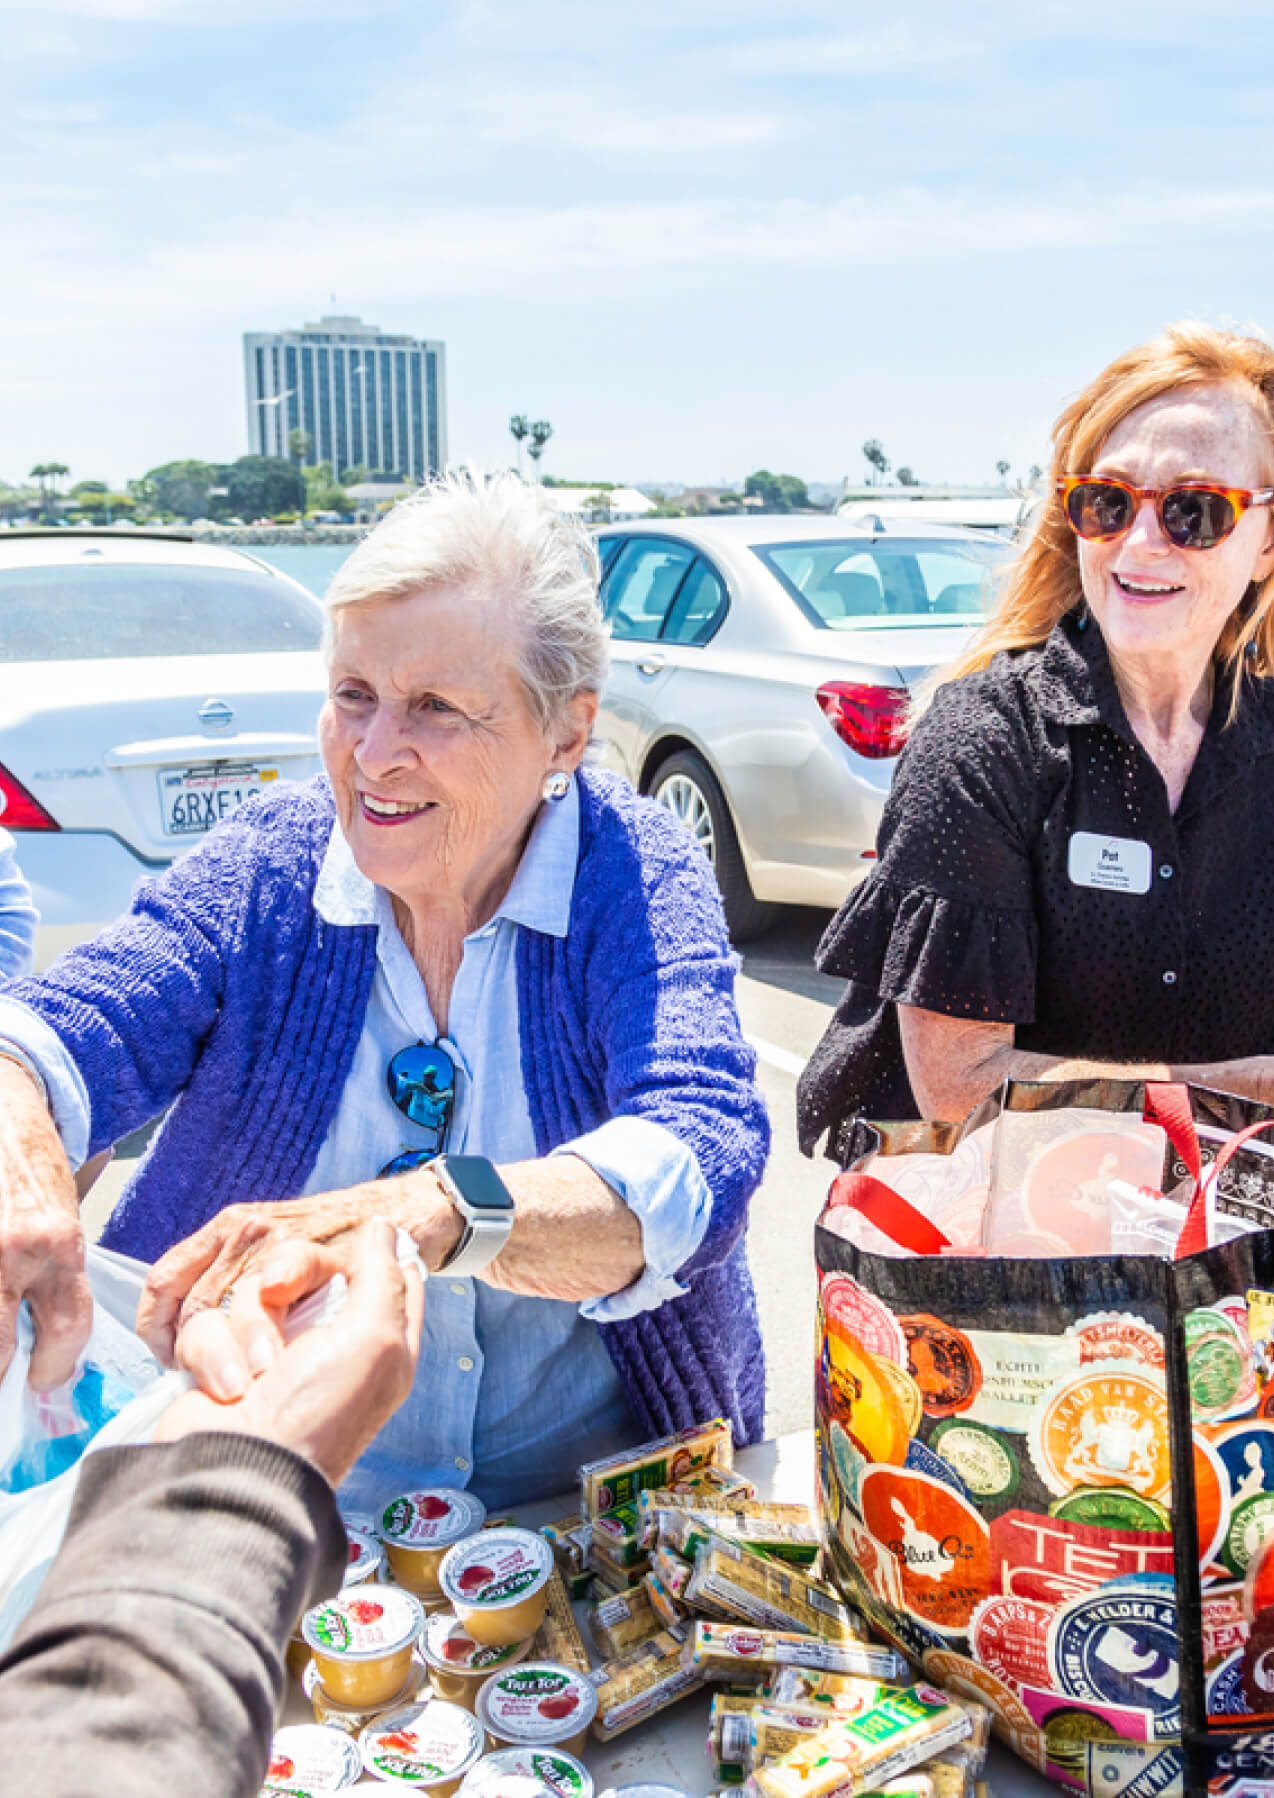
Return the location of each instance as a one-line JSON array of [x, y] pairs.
[[699, 238]]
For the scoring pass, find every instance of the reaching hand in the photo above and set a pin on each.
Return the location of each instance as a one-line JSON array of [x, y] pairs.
[[327, 1393], [41, 1244]]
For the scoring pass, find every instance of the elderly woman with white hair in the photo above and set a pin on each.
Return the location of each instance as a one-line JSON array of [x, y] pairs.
[[461, 981]]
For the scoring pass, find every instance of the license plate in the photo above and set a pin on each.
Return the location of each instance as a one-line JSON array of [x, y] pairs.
[[192, 800]]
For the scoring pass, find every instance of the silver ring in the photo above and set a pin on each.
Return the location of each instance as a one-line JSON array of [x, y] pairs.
[[226, 1299]]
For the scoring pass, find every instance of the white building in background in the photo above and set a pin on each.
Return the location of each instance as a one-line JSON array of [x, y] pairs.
[[364, 398], [613, 504]]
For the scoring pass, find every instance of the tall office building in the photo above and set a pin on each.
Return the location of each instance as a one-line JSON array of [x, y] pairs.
[[364, 398]]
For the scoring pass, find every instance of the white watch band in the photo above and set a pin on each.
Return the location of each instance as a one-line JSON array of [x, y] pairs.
[[482, 1241]]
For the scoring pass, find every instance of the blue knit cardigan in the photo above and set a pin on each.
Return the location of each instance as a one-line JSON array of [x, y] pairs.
[[223, 994]]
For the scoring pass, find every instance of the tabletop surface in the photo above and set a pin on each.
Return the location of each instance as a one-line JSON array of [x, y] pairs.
[[672, 1748]]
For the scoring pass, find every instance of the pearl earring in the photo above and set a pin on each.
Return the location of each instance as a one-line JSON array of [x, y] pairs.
[[556, 785]]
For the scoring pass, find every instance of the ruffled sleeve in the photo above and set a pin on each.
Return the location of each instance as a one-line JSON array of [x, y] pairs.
[[956, 956], [947, 920]]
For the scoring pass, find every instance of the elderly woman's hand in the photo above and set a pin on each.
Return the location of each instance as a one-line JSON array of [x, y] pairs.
[[231, 1249], [330, 1390], [41, 1243]]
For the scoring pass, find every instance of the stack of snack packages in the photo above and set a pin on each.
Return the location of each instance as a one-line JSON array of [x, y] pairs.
[[697, 1585], [455, 1648]]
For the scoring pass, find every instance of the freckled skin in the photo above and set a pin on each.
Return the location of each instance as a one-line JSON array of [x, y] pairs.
[[1204, 433]]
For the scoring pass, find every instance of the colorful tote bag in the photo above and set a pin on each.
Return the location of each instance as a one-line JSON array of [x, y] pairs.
[[1045, 1408]]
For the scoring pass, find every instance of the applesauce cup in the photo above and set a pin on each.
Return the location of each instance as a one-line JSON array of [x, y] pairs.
[[427, 1746], [366, 1558], [362, 1642], [418, 1528], [305, 1757], [352, 1718], [528, 1773], [459, 1666], [498, 1584], [538, 1705]]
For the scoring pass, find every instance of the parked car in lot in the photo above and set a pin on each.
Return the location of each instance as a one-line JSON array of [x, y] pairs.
[[761, 673], [147, 685]]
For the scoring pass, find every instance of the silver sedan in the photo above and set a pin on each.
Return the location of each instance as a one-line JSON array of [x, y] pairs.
[[761, 672]]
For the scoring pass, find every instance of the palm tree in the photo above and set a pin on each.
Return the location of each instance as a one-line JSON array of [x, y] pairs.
[[541, 431], [1002, 468], [520, 426], [46, 473], [877, 460]]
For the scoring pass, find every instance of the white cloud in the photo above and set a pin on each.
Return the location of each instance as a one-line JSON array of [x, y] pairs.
[[399, 255]]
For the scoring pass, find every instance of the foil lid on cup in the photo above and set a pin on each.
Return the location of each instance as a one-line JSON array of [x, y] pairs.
[[364, 1623], [539, 1702], [433, 1517], [496, 1568], [450, 1648], [423, 1744], [315, 1759]]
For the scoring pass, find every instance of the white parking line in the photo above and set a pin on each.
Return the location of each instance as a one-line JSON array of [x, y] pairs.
[[782, 1059]]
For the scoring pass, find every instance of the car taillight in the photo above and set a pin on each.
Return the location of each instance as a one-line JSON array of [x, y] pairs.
[[18, 810], [871, 720]]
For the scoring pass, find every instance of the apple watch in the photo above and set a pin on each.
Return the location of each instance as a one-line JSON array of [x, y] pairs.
[[486, 1205]]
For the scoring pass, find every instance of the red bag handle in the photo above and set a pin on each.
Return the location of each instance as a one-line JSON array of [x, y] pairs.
[[1169, 1107], [895, 1216], [1194, 1232]]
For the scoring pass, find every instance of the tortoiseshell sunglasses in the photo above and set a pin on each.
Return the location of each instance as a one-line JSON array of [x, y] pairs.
[[1195, 515]]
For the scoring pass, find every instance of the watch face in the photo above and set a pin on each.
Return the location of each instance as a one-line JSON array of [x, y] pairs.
[[478, 1183]]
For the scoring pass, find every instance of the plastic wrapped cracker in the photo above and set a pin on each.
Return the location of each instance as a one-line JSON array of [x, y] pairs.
[[727, 1651], [620, 1623], [862, 1754], [662, 1601], [558, 1638], [799, 1684], [617, 1479], [609, 1574], [569, 1538], [617, 1535], [781, 1532], [641, 1683], [674, 1572], [951, 1778], [775, 1729], [683, 1523], [746, 1586], [730, 1736]]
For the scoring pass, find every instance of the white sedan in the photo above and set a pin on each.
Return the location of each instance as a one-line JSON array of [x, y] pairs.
[[148, 685]]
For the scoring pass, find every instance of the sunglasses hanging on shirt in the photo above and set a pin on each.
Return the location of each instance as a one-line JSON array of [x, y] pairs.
[[421, 1081], [1193, 515]]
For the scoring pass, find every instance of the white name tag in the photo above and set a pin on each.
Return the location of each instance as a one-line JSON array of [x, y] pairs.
[[1111, 864]]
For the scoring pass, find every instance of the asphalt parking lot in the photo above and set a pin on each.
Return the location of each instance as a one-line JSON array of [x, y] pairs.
[[784, 1005]]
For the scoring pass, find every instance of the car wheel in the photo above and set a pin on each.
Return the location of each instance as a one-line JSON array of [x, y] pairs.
[[687, 788]]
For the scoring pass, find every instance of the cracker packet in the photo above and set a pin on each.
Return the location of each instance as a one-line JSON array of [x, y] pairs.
[[641, 1683], [617, 1479], [745, 1586], [860, 1754]]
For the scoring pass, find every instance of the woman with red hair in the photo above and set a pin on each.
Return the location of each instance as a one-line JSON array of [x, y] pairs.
[[1076, 862]]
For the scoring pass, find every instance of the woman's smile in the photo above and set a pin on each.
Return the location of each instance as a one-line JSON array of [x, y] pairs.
[[392, 811]]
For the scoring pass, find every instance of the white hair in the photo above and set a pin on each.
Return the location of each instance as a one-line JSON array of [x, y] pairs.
[[494, 535]]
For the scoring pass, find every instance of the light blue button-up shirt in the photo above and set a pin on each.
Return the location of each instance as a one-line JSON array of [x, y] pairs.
[[511, 1393]]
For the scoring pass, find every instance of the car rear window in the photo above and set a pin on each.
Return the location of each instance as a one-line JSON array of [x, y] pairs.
[[846, 585], [79, 614]]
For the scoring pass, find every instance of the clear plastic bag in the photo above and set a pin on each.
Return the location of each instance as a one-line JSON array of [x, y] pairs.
[[116, 1396]]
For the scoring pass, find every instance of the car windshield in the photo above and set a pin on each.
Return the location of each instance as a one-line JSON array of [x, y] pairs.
[[78, 614], [844, 584]]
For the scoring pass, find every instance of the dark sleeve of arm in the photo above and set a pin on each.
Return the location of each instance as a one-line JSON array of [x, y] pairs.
[[946, 920], [154, 1653], [134, 1006], [669, 1038]]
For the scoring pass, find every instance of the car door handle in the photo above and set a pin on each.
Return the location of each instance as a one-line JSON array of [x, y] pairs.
[[652, 664]]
